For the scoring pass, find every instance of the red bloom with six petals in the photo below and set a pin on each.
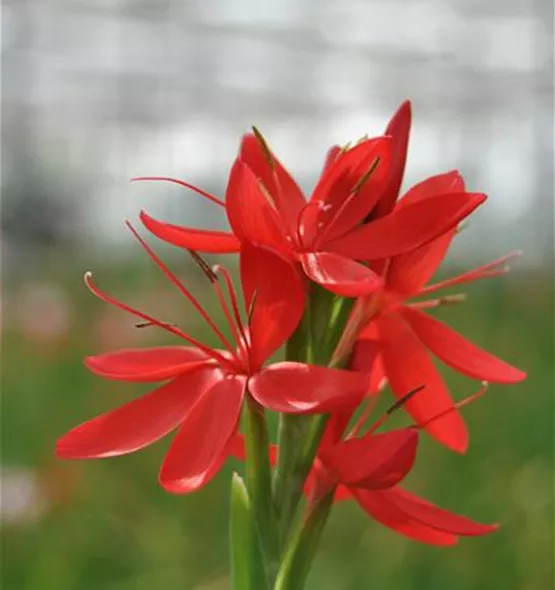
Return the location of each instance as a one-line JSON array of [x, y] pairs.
[[370, 467], [206, 387], [346, 220]]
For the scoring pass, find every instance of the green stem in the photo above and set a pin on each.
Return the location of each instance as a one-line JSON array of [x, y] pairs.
[[303, 546], [299, 437], [300, 470], [259, 484], [291, 430]]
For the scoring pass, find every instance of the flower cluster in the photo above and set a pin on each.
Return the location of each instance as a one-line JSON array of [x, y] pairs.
[[339, 279]]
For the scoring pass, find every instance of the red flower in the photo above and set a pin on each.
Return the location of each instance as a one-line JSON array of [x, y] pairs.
[[206, 387], [347, 219], [405, 333], [369, 469]]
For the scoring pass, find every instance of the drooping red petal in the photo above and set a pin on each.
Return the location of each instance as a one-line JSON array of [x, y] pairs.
[[200, 447], [237, 449], [458, 352], [340, 275], [276, 291], [379, 505], [345, 201], [147, 364], [251, 212], [214, 242], [438, 518], [139, 423], [287, 195], [407, 228], [373, 461], [399, 131], [298, 388], [408, 366]]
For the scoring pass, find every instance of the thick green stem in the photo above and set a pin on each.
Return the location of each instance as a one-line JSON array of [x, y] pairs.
[[299, 436], [291, 432], [259, 484], [313, 432], [303, 546]]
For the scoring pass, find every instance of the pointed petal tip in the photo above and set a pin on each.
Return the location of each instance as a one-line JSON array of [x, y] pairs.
[[175, 486], [460, 446], [457, 442]]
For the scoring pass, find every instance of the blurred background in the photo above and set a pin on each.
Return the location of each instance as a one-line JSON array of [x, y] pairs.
[[98, 91]]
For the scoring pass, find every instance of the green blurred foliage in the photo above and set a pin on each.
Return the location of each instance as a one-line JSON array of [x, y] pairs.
[[107, 524]]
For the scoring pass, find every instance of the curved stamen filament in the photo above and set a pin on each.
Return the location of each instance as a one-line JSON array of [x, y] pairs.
[[182, 289], [242, 341], [394, 407], [151, 320], [456, 406], [184, 184], [447, 300], [481, 272]]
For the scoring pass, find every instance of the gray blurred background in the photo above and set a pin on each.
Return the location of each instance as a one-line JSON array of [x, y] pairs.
[[98, 91]]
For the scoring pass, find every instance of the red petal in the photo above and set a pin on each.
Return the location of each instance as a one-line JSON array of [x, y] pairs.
[[342, 493], [408, 366], [431, 515], [199, 448], [298, 388], [279, 302], [350, 203], [138, 423], [380, 506], [340, 275], [399, 131], [441, 184], [215, 242], [407, 227], [366, 357], [287, 195], [147, 364], [252, 214], [409, 272], [343, 209], [335, 428], [319, 482], [373, 461], [458, 352]]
